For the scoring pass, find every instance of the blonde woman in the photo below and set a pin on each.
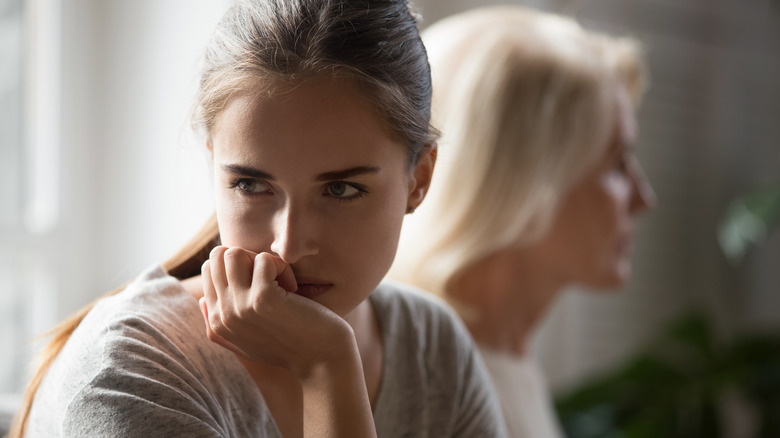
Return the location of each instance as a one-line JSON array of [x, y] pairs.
[[272, 321], [537, 183]]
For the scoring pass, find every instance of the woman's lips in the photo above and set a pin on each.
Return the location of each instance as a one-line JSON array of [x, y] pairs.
[[311, 289]]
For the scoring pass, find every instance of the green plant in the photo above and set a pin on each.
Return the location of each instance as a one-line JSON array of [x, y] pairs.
[[748, 221], [679, 387]]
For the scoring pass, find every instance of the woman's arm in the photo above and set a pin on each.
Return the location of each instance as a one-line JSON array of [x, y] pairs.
[[250, 310], [335, 403]]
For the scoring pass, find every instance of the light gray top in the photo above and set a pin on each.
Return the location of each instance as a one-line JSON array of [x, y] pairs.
[[524, 397], [139, 365]]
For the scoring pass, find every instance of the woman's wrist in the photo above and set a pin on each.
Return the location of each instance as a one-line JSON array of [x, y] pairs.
[[335, 398], [340, 356]]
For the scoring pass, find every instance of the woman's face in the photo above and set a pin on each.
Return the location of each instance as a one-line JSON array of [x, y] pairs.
[[313, 176], [592, 235]]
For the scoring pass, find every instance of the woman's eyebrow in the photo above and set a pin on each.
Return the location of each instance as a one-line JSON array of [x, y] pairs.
[[347, 173], [238, 169]]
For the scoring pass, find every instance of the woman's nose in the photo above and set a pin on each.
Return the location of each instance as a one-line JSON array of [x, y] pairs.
[[293, 235], [643, 196]]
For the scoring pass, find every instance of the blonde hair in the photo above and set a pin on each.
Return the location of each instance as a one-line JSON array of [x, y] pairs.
[[261, 46], [525, 101]]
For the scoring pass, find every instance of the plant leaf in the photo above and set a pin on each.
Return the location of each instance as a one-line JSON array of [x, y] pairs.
[[748, 221]]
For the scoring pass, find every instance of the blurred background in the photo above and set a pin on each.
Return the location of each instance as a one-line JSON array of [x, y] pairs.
[[100, 177]]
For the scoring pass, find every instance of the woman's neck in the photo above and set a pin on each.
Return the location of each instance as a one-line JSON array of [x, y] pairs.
[[503, 297]]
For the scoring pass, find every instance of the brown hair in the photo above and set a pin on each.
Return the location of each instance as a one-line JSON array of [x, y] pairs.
[[262, 43]]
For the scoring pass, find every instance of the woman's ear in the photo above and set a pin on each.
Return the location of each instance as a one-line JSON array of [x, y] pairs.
[[420, 180]]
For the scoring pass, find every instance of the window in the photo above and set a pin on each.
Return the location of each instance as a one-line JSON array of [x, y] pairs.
[[28, 211], [11, 199], [11, 30]]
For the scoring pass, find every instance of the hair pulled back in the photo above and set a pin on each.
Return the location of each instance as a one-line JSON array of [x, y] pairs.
[[260, 45]]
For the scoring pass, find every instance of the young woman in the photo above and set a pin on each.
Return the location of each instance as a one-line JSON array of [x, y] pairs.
[[537, 185], [316, 114]]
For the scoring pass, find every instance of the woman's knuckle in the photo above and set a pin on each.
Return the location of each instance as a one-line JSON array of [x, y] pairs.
[[220, 330]]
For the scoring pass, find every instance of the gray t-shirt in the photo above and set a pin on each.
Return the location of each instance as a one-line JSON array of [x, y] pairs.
[[139, 365]]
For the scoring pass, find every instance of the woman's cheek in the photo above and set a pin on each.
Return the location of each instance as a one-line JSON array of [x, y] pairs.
[[618, 188], [243, 226]]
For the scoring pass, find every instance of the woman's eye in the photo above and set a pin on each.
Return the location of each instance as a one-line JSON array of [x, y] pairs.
[[250, 186], [344, 190]]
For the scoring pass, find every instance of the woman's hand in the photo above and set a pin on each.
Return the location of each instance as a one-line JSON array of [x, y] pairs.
[[250, 308]]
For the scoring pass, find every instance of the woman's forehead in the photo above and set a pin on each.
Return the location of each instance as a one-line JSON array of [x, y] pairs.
[[314, 99], [320, 119]]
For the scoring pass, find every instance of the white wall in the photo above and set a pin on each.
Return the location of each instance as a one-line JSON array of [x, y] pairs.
[[135, 182]]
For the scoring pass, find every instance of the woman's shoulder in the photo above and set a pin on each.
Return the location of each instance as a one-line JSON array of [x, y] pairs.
[[396, 299], [145, 351], [418, 324], [432, 369], [151, 319], [152, 291], [523, 394], [419, 319], [152, 309]]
